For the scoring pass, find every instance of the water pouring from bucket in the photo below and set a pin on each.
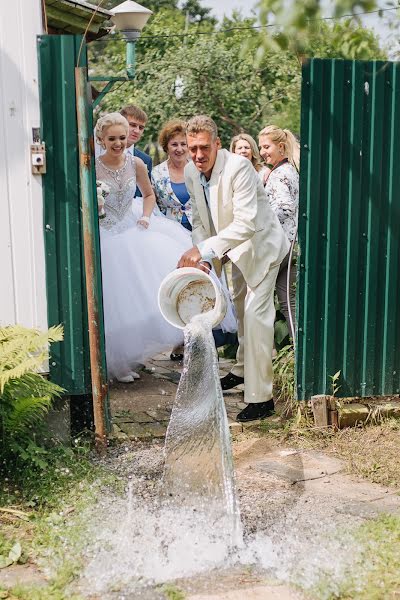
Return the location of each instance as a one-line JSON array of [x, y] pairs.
[[188, 292], [198, 472]]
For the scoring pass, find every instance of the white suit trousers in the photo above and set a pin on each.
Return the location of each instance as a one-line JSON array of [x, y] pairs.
[[256, 316]]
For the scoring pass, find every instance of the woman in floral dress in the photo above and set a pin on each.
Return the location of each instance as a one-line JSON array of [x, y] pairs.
[[168, 178], [280, 150]]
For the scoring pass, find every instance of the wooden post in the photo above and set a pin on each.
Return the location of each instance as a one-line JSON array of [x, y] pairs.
[[319, 405]]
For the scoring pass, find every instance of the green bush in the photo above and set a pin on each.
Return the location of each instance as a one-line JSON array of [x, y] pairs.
[[25, 394]]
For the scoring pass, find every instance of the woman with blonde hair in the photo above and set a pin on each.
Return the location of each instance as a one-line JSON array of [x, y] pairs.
[[138, 249], [281, 151], [246, 146]]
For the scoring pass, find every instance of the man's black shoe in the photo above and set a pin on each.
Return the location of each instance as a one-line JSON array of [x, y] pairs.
[[256, 410], [176, 356], [230, 381]]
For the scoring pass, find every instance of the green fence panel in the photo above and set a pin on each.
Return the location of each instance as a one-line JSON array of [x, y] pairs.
[[66, 293], [348, 296]]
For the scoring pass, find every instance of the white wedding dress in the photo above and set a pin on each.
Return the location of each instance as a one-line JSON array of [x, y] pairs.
[[134, 262]]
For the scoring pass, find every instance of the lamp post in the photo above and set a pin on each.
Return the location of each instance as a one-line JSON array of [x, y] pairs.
[[129, 18]]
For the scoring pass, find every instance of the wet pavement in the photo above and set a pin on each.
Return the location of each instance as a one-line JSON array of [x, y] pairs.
[[141, 410]]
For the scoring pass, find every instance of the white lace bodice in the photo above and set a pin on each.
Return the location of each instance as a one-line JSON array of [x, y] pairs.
[[118, 203]]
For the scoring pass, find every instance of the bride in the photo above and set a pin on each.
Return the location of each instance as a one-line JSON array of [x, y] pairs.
[[138, 249]]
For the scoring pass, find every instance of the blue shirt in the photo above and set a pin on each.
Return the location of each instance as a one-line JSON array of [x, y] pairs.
[[180, 191]]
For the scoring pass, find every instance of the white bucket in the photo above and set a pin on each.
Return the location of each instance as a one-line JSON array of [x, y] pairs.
[[187, 292]]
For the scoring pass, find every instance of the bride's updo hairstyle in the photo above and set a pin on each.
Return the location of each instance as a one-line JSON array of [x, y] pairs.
[[114, 118], [285, 137]]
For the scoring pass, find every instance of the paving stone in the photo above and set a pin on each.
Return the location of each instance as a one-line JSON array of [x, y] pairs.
[[164, 356], [174, 377], [232, 401], [232, 414], [251, 424], [159, 414], [142, 417], [160, 369], [235, 427], [135, 431], [120, 436], [156, 429], [118, 419]]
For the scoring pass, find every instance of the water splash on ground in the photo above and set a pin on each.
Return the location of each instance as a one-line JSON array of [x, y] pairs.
[[180, 517]]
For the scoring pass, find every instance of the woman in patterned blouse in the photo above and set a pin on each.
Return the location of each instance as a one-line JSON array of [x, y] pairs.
[[168, 177], [280, 150]]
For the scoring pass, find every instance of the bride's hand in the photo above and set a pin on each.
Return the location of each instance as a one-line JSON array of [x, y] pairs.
[[143, 222]]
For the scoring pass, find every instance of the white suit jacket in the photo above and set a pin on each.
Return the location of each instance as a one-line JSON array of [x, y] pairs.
[[247, 229]]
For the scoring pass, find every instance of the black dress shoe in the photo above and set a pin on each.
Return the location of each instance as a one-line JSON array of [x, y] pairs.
[[230, 381], [256, 411], [176, 357]]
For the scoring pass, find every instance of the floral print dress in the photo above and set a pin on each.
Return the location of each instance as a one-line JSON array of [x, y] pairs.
[[167, 200], [282, 189]]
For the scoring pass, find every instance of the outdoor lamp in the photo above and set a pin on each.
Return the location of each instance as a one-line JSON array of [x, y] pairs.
[[129, 18]]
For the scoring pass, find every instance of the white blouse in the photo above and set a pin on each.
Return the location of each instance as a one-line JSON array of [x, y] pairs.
[[282, 189]]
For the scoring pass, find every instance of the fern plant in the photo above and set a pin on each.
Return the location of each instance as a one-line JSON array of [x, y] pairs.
[[25, 395]]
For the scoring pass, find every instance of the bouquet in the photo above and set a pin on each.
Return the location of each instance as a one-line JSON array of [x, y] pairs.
[[102, 192]]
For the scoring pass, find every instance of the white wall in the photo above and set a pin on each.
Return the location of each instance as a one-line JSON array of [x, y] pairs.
[[22, 263]]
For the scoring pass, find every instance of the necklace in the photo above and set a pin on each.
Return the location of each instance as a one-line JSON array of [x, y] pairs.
[[116, 174]]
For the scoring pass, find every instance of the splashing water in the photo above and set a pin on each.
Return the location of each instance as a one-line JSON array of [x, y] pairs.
[[198, 472], [194, 524], [187, 522]]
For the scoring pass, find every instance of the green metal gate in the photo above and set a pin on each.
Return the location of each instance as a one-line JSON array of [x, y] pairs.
[[349, 223], [65, 269]]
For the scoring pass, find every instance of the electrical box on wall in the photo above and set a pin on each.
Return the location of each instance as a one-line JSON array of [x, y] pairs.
[[38, 158]]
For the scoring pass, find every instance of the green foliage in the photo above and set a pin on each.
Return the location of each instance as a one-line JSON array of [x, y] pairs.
[[25, 395], [297, 22], [377, 574], [284, 382], [184, 68], [56, 534], [171, 592], [334, 382], [10, 552]]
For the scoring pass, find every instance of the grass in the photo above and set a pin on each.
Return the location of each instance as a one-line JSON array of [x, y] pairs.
[[370, 452], [377, 574], [55, 534], [283, 365], [171, 592]]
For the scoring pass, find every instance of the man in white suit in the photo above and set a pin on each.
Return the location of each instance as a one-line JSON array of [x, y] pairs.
[[233, 220]]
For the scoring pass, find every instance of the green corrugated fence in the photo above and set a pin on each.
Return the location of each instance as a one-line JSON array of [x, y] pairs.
[[349, 221], [66, 294]]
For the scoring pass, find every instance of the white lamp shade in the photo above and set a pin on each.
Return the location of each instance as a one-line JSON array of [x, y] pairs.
[[130, 16]]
